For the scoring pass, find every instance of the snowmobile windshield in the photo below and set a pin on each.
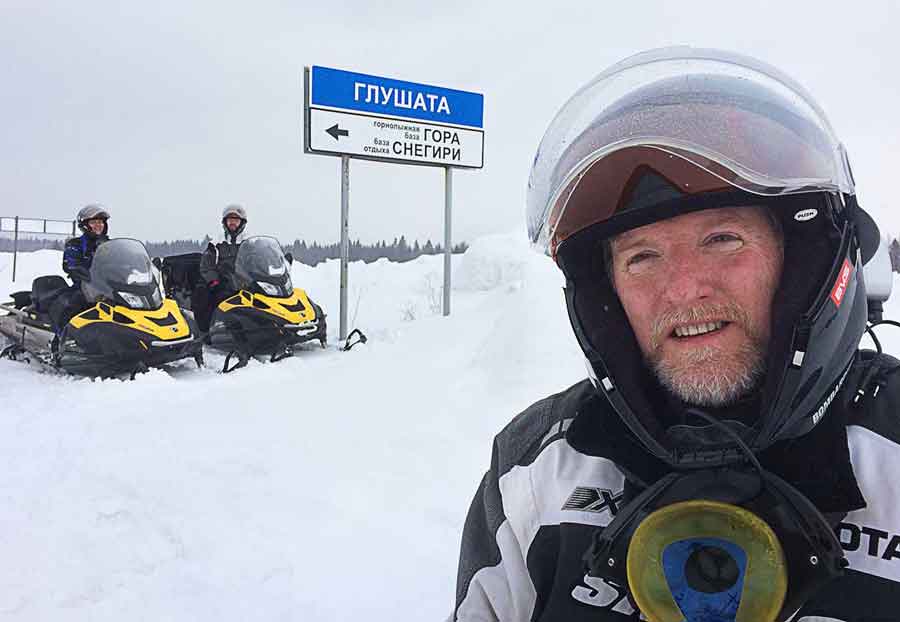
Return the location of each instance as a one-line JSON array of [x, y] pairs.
[[262, 267], [122, 273], [701, 119]]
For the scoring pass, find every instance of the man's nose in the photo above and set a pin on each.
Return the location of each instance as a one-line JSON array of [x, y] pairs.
[[688, 278]]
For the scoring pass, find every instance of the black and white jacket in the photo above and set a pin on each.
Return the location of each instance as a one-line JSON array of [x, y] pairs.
[[217, 261], [558, 472]]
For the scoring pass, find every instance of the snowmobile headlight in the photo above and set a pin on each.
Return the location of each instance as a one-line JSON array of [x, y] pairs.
[[270, 289], [132, 300]]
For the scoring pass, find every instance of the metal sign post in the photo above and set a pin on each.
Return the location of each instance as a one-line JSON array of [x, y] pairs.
[[369, 117], [345, 240], [448, 238]]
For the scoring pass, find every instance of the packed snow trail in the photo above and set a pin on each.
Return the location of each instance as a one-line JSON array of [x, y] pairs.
[[328, 486]]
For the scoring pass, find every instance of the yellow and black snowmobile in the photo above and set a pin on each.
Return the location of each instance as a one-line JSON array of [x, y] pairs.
[[130, 327], [265, 314]]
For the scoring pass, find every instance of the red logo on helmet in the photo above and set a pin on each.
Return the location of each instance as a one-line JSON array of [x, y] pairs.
[[840, 286]]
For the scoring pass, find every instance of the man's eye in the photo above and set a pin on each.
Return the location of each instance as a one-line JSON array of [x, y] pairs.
[[639, 262], [725, 241], [634, 259]]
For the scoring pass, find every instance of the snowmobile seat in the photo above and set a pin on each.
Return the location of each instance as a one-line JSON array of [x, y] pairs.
[[181, 272], [21, 299], [45, 289]]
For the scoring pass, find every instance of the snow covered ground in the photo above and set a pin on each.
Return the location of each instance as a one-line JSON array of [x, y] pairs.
[[329, 486]]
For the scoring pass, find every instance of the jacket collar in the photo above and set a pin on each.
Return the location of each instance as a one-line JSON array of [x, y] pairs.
[[228, 238], [817, 464]]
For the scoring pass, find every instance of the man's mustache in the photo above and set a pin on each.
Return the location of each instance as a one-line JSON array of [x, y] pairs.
[[698, 314]]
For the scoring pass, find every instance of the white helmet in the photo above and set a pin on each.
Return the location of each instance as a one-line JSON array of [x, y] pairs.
[[703, 119], [89, 212], [234, 210]]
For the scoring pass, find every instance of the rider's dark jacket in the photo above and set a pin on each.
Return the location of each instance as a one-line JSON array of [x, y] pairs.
[[217, 263], [79, 253]]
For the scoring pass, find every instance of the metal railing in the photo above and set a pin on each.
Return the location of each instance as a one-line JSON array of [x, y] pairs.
[[33, 226]]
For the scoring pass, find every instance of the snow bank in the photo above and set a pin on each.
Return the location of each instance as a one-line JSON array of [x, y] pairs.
[[329, 486], [492, 261]]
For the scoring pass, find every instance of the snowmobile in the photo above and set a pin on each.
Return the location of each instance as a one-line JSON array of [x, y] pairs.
[[130, 327], [265, 316]]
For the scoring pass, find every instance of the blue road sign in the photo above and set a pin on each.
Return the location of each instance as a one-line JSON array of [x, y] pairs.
[[359, 92]]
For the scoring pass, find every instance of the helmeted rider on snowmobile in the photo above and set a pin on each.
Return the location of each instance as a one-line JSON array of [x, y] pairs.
[[217, 266], [76, 263], [731, 451]]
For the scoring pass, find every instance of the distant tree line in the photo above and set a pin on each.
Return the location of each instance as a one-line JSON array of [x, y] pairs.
[[176, 247], [398, 251], [310, 254]]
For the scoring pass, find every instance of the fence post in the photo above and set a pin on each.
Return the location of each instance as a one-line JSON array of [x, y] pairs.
[[15, 245]]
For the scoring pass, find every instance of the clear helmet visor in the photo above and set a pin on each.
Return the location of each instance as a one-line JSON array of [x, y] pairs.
[[700, 120]]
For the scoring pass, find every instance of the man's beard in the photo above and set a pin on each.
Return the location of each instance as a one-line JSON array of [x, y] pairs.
[[710, 376]]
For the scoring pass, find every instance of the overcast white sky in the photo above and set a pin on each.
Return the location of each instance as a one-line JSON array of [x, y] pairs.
[[166, 111]]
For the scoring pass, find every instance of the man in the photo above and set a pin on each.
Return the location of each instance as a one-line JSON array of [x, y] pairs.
[[217, 266], [78, 255], [727, 458]]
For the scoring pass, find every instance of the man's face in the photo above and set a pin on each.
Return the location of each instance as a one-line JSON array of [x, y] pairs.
[[697, 290], [232, 222], [96, 225]]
